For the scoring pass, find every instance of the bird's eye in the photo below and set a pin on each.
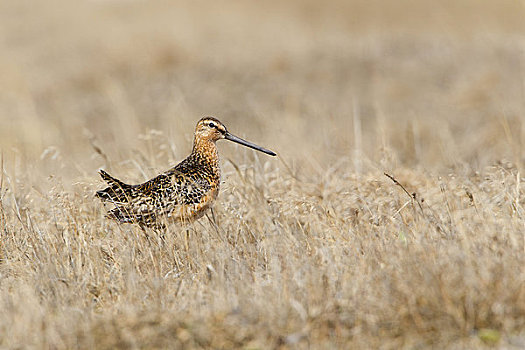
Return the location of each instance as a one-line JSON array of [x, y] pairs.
[[212, 125]]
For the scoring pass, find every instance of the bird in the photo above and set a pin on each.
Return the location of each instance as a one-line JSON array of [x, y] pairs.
[[181, 194]]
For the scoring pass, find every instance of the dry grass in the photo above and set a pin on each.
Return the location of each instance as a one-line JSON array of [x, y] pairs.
[[316, 249]]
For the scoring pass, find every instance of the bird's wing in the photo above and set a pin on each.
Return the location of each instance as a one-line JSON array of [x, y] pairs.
[[167, 192]]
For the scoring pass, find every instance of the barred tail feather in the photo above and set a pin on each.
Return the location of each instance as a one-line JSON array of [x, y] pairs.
[[117, 192]]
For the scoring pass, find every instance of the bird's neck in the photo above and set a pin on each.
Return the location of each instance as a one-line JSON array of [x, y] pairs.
[[206, 151]]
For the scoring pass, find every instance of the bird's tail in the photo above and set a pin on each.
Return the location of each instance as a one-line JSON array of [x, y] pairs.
[[117, 192]]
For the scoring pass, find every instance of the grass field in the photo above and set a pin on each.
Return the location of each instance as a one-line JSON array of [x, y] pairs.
[[315, 249]]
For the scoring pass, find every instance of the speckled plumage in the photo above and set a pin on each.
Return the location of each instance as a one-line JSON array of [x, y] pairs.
[[182, 193]]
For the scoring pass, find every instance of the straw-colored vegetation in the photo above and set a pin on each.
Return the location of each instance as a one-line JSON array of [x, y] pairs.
[[314, 249]]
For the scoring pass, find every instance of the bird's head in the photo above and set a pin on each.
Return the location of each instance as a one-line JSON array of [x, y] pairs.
[[211, 129]]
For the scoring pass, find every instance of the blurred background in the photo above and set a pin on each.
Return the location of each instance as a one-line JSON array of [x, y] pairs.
[[315, 248], [377, 84]]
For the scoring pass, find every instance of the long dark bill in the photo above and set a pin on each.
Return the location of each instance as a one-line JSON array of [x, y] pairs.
[[234, 138]]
